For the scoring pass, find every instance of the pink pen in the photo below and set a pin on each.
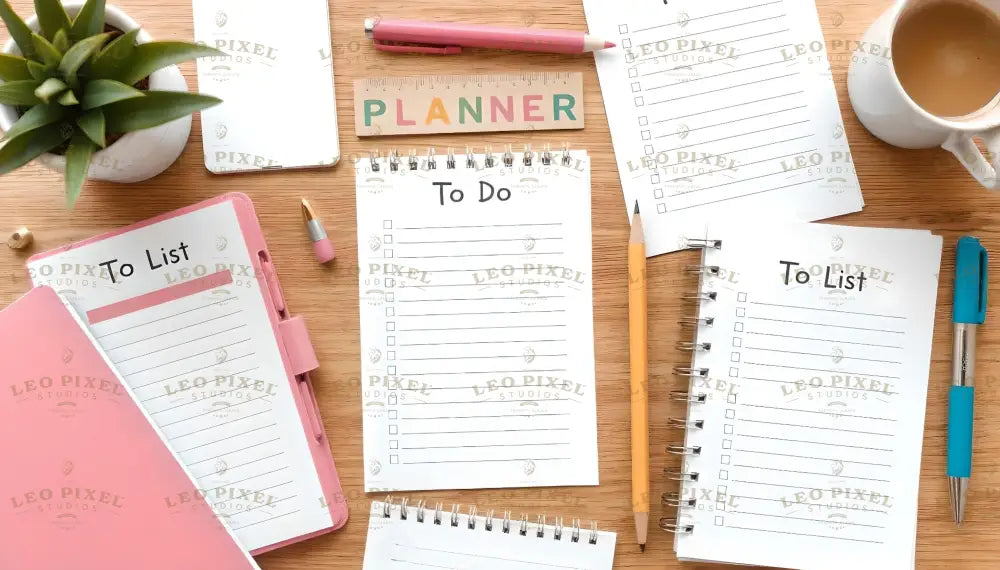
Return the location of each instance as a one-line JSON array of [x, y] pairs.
[[445, 38], [317, 233]]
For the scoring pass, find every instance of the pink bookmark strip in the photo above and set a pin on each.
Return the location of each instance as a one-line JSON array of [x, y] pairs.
[[165, 295]]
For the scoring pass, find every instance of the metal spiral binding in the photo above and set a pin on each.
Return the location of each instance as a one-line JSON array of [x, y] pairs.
[[681, 423], [431, 159], [691, 372], [712, 270], [681, 449], [412, 160], [472, 522], [695, 346], [393, 160], [508, 156], [430, 162], [703, 321], [675, 500], [683, 396], [708, 296], [671, 525], [450, 161], [675, 475], [694, 243]]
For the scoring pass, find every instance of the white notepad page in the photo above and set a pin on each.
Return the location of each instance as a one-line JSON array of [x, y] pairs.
[[477, 344], [459, 541], [816, 392], [204, 365], [719, 109]]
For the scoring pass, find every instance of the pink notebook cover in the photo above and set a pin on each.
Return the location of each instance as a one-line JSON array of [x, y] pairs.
[[86, 481], [296, 347]]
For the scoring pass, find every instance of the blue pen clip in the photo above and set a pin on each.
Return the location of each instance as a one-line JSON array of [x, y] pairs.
[[971, 265]]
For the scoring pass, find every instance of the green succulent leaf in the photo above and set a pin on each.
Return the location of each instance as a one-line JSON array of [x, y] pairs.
[[147, 58], [13, 67], [48, 52], [19, 92], [156, 108], [52, 17], [18, 29], [27, 147], [100, 92], [78, 156], [89, 20], [80, 53], [92, 125], [68, 99], [39, 71], [61, 41], [50, 88], [35, 118], [114, 55]]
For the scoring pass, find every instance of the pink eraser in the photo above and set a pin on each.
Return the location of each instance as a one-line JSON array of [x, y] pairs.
[[324, 251]]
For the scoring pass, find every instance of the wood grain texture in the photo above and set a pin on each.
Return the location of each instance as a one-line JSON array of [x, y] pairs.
[[914, 189]]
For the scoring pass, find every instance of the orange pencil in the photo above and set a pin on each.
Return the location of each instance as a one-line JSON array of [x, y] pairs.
[[639, 377]]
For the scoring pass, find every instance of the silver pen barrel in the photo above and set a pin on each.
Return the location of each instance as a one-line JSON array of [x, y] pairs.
[[963, 357]]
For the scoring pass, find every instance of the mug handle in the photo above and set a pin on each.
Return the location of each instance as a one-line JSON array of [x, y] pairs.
[[962, 145]]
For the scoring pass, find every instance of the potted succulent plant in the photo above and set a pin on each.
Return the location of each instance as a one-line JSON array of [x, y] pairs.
[[87, 92]]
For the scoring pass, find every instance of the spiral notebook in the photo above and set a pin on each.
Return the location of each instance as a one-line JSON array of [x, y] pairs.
[[476, 320], [805, 412], [421, 536], [722, 109]]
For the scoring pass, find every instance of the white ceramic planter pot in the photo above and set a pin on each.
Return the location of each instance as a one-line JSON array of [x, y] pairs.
[[138, 155]]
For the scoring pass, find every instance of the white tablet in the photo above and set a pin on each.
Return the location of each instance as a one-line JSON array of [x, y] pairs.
[[276, 81]]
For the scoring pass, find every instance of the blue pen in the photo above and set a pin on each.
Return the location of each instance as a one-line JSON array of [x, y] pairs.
[[969, 311]]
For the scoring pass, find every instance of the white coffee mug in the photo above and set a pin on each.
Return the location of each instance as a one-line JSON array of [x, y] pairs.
[[885, 109]]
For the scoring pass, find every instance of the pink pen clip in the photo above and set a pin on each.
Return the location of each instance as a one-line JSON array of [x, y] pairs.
[[416, 48]]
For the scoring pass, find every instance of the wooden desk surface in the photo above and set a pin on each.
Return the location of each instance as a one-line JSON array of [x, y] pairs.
[[914, 189]]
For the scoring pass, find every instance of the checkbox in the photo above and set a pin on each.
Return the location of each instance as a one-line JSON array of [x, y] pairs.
[[636, 87], [723, 475], [393, 459], [392, 370], [393, 414], [643, 121], [737, 341], [393, 444], [387, 238], [720, 505], [654, 179], [741, 311], [734, 372], [391, 355], [658, 193], [633, 72], [721, 490], [387, 224], [393, 399], [661, 208], [390, 340], [639, 101], [649, 149], [390, 297], [738, 327], [731, 398], [727, 444], [626, 43], [622, 28], [725, 459], [390, 326], [741, 297], [734, 357], [393, 429], [719, 521], [728, 428], [730, 414], [646, 135], [390, 311], [390, 282], [388, 253], [629, 58]]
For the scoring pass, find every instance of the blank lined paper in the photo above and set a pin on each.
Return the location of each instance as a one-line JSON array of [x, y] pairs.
[[476, 324], [722, 109], [815, 385], [432, 537]]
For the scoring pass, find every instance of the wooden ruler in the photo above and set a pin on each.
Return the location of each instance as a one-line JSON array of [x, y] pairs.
[[468, 103]]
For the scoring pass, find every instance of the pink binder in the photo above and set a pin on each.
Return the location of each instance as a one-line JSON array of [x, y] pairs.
[[293, 340], [85, 475]]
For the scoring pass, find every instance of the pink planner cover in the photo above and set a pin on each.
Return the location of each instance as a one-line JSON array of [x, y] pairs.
[[296, 348], [86, 481]]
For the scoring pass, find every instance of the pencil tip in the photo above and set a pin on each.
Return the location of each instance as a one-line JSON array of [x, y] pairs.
[[307, 211], [636, 211], [642, 548]]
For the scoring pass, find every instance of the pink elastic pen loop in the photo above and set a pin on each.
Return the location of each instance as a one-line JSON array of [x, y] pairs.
[[404, 48]]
